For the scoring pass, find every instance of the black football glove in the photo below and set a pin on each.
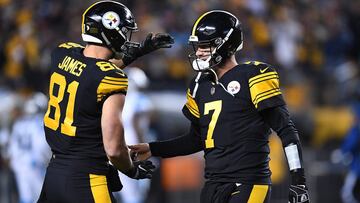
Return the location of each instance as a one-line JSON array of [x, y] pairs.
[[298, 194], [141, 170], [150, 44]]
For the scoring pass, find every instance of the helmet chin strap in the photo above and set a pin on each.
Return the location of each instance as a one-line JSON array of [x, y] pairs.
[[215, 75], [201, 65], [216, 82]]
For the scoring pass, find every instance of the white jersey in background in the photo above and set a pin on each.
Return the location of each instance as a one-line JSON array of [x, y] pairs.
[[29, 154]]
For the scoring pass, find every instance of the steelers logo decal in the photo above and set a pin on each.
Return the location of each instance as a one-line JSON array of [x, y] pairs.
[[233, 87], [111, 20]]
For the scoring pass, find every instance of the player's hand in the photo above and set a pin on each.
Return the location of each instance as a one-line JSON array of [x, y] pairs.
[[140, 152], [141, 170], [150, 44], [298, 194]]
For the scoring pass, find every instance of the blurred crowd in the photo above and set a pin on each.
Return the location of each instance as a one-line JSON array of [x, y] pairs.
[[314, 45]]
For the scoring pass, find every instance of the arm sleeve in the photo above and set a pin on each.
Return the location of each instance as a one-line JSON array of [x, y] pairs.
[[183, 145], [278, 118]]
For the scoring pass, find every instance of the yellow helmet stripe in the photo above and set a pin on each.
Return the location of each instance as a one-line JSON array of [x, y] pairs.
[[83, 17], [197, 22]]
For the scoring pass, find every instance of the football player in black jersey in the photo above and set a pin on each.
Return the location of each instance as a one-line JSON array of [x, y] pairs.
[[232, 108], [87, 94]]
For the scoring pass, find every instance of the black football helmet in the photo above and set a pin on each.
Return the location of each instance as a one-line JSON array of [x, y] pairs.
[[221, 32], [109, 23]]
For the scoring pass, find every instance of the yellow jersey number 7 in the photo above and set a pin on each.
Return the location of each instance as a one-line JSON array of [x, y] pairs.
[[216, 106], [53, 123]]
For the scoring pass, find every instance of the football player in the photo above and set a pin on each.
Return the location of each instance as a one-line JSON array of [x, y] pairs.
[[28, 150], [87, 94], [232, 108]]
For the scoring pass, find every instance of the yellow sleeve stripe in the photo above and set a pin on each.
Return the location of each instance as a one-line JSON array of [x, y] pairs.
[[105, 88], [264, 86], [276, 77], [192, 111], [258, 193], [266, 95], [264, 89], [115, 79], [262, 75], [114, 83], [99, 188], [191, 105]]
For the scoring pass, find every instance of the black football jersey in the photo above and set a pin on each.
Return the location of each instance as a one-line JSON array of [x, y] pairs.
[[234, 134], [77, 89]]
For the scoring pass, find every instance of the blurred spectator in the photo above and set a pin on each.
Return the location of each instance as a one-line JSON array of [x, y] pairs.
[[351, 149], [29, 152], [286, 33]]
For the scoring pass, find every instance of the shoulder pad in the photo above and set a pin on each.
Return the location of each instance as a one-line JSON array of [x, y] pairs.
[[107, 66], [69, 45], [260, 68], [257, 64]]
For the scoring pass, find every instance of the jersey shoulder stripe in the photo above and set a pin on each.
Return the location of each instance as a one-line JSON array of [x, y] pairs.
[[263, 82], [191, 105], [114, 80]]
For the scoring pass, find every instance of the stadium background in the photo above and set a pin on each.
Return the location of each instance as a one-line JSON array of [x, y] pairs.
[[314, 45]]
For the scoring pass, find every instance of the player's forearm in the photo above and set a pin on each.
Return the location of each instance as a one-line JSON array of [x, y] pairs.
[[278, 119], [183, 145], [121, 160], [115, 146], [113, 133]]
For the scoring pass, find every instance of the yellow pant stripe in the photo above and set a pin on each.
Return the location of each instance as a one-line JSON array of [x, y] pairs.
[[99, 188], [258, 194]]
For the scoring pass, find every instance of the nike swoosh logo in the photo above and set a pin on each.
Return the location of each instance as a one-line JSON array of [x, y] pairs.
[[263, 70]]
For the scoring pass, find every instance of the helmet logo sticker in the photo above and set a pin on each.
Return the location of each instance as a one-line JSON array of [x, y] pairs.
[[207, 30], [111, 20], [233, 87]]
